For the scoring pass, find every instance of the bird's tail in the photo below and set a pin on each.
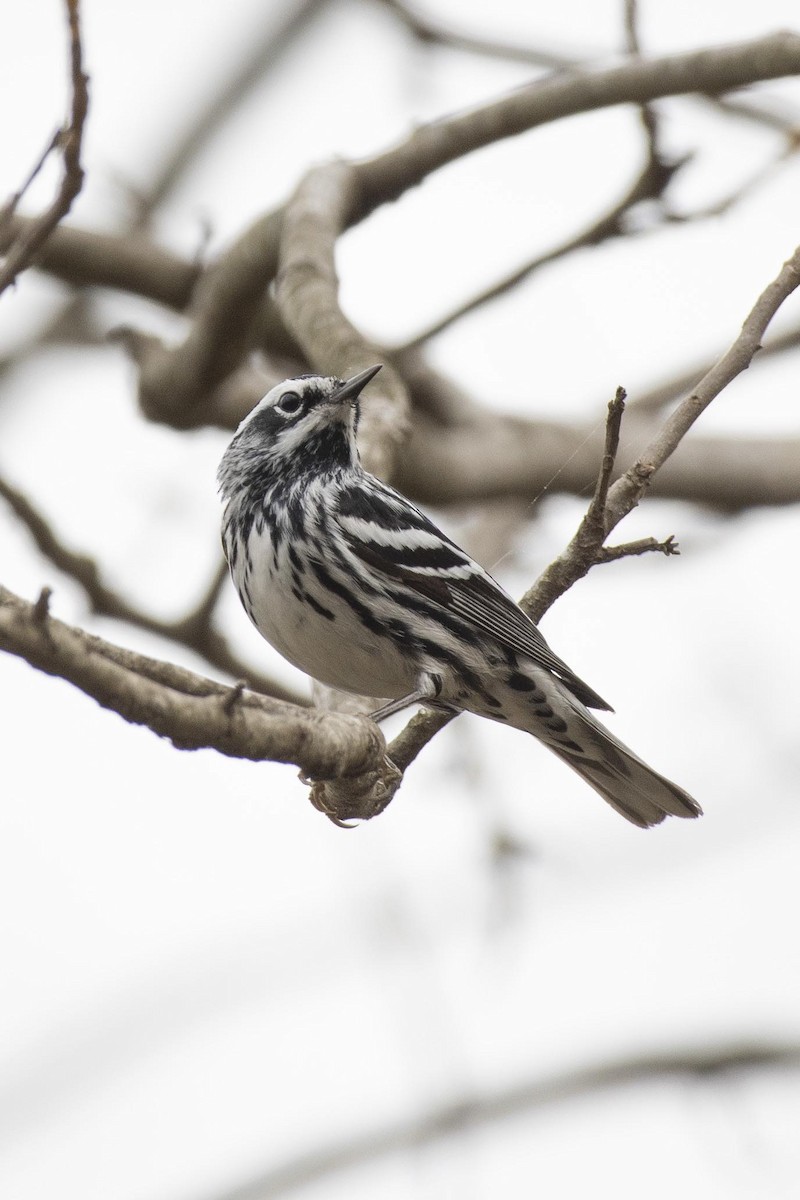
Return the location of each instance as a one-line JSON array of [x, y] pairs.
[[635, 790]]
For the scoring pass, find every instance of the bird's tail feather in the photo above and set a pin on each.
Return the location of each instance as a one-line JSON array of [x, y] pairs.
[[635, 790]]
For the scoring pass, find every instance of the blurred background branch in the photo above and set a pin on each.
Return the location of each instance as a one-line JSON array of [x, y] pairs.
[[719, 1066]]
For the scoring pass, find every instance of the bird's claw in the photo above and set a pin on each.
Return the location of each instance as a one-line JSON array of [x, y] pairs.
[[359, 798]]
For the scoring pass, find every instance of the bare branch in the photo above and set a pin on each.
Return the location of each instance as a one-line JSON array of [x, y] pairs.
[[428, 31], [224, 307], [10, 207], [268, 49], [714, 1065], [647, 112], [650, 184], [128, 262], [627, 491], [585, 548], [191, 711], [175, 380], [495, 457], [669, 547], [307, 296], [479, 455], [265, 50], [595, 514], [658, 396], [23, 250], [196, 630], [432, 146]]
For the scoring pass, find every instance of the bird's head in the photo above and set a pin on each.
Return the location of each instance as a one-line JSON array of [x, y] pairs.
[[303, 425]]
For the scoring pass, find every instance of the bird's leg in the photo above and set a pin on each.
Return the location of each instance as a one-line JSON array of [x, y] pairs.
[[428, 689]]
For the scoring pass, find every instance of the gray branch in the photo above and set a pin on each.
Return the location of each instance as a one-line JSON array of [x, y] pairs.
[[189, 710]]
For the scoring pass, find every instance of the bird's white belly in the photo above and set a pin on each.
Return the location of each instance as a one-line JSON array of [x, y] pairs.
[[338, 650]]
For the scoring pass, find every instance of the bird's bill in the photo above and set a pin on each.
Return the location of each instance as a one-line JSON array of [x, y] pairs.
[[352, 388]]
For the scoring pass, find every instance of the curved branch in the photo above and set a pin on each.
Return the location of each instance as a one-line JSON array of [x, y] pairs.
[[307, 297], [191, 711], [714, 1064], [709, 71], [176, 379]]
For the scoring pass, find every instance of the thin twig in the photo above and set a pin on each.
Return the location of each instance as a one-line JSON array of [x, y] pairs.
[[628, 490], [11, 205], [266, 49], [585, 548], [595, 515], [647, 112], [626, 493], [70, 141], [656, 397], [41, 609], [650, 184], [428, 31], [668, 547]]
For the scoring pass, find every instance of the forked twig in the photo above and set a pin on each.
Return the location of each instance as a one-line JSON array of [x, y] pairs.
[[70, 139]]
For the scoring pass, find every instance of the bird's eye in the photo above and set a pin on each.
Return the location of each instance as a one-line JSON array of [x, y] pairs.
[[289, 403]]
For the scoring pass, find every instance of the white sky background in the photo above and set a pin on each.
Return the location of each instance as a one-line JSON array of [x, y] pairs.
[[202, 977]]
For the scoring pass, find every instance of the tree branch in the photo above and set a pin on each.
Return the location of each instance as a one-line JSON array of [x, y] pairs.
[[714, 1064], [70, 140], [128, 262], [429, 32], [465, 453], [580, 556], [307, 297], [669, 547], [650, 184], [709, 71], [192, 712], [174, 381], [498, 456], [195, 631], [628, 490], [265, 50], [657, 396]]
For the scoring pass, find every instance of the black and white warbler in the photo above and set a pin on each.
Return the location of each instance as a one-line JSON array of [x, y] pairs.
[[357, 587]]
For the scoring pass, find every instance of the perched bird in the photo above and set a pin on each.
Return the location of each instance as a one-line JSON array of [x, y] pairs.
[[354, 585]]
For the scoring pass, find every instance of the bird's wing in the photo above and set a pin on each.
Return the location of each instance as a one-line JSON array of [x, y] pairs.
[[396, 540]]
